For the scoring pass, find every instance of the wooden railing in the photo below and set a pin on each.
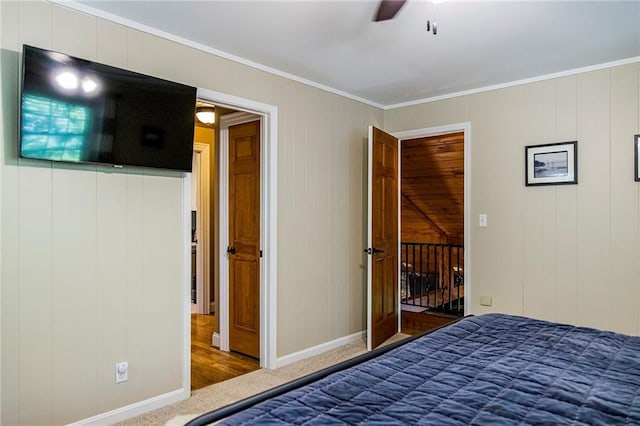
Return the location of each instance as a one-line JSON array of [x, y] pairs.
[[432, 277]]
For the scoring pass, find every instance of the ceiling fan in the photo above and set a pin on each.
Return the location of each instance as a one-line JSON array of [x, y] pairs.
[[388, 9]]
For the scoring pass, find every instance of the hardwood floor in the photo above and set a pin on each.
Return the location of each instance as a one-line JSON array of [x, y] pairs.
[[210, 365], [417, 322]]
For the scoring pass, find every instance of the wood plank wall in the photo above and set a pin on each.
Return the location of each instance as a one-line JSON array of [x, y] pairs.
[[432, 188]]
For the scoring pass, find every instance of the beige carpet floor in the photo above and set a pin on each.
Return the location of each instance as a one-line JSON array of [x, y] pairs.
[[224, 393]]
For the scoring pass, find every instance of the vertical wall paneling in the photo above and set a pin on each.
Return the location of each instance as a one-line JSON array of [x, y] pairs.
[[323, 170], [111, 286], [593, 205], [35, 267], [159, 65], [74, 33], [109, 41], [569, 252], [161, 287], [507, 122], [638, 188], [499, 140], [288, 132], [356, 225], [35, 23], [136, 297], [74, 297], [10, 28], [624, 234], [445, 112], [549, 253], [484, 264], [549, 205], [565, 129], [9, 219], [340, 222], [535, 109], [135, 49]]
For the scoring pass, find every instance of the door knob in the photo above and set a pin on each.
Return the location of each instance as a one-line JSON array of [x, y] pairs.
[[373, 250], [231, 250]]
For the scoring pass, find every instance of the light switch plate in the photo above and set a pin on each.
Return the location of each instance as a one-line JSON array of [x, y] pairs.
[[483, 220]]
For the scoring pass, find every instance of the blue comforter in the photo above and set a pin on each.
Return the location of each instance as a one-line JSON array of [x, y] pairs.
[[486, 370]]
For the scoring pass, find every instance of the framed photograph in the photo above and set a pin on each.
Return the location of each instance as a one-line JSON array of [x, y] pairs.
[[636, 168], [552, 164]]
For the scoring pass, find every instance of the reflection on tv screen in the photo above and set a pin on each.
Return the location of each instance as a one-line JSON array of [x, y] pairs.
[[54, 130]]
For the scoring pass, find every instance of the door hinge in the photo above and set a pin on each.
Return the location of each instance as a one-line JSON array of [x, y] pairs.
[[260, 253]]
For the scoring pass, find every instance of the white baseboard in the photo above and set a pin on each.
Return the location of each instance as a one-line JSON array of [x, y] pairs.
[[135, 409], [318, 349], [159, 401]]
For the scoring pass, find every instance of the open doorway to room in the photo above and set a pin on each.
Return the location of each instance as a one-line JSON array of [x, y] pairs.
[[432, 194], [417, 221], [213, 361]]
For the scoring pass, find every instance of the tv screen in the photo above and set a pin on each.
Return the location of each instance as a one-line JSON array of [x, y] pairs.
[[76, 110]]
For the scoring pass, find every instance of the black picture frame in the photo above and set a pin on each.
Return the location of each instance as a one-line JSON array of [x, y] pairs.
[[636, 166], [551, 164]]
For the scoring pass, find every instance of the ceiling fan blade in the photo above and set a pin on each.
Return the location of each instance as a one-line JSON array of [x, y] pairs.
[[387, 9]]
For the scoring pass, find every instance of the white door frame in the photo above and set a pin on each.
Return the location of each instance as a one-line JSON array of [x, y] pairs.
[[443, 130], [227, 121], [203, 229], [268, 232]]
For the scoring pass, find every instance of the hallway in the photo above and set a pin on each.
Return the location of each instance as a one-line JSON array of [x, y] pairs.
[[210, 365]]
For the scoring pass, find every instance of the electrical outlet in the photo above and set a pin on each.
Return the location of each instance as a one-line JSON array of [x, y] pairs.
[[122, 371]]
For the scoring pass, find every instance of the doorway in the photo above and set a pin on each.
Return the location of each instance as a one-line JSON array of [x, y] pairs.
[[223, 364], [209, 364], [432, 231], [201, 290], [437, 270], [240, 194], [442, 148]]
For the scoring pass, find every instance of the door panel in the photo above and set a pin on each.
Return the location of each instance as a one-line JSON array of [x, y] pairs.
[[244, 271], [382, 321], [244, 238]]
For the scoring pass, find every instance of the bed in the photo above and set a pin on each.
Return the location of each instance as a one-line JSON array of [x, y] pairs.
[[491, 369]]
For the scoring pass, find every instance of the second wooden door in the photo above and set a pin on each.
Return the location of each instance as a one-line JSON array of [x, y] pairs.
[[244, 238]]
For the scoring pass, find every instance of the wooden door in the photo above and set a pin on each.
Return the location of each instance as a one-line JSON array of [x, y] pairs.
[[244, 238], [382, 321]]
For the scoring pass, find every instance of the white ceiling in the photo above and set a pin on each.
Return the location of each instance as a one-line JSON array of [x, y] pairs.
[[336, 44]]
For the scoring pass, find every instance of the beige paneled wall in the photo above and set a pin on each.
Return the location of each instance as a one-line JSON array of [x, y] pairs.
[[92, 261], [566, 253]]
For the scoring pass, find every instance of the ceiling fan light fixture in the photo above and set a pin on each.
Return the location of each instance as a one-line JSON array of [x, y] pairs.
[[206, 115], [432, 27]]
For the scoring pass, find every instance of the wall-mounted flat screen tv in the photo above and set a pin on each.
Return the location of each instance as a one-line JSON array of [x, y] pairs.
[[80, 111]]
